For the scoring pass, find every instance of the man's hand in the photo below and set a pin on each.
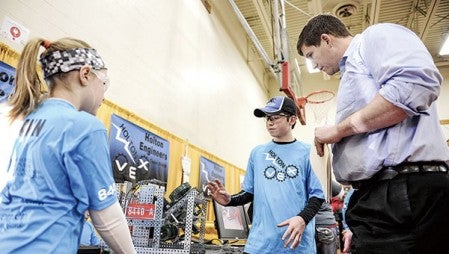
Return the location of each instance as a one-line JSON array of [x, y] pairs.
[[325, 135], [218, 192], [347, 238], [296, 226]]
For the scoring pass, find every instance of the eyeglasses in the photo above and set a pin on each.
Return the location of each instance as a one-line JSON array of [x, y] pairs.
[[103, 77], [274, 118]]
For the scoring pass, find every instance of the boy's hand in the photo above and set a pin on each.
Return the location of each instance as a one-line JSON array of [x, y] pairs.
[[296, 226], [218, 192]]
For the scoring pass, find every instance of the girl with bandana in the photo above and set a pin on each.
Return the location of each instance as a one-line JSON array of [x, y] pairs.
[[60, 165]]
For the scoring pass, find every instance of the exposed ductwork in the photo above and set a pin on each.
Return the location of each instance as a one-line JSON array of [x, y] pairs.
[[270, 65]]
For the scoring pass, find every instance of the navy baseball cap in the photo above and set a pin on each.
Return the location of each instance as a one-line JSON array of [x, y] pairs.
[[277, 105]]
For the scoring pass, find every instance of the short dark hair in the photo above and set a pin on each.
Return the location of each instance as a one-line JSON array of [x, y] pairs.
[[318, 25]]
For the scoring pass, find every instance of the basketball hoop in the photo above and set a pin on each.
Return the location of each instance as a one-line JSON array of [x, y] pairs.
[[319, 103], [289, 91]]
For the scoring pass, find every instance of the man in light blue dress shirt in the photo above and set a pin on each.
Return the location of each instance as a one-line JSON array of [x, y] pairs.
[[387, 140]]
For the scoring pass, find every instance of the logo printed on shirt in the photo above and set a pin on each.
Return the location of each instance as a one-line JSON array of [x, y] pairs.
[[106, 192], [11, 220], [32, 127], [292, 171], [270, 172], [280, 170]]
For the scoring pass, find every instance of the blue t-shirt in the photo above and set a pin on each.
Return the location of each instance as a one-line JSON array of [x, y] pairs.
[[88, 235], [61, 168], [282, 181]]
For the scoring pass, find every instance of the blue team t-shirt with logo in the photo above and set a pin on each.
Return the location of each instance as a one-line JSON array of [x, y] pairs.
[[61, 168], [282, 180]]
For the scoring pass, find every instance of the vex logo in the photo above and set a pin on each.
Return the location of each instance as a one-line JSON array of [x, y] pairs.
[[279, 169], [122, 164]]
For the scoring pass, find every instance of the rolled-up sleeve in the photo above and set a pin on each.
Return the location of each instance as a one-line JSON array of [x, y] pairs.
[[402, 67]]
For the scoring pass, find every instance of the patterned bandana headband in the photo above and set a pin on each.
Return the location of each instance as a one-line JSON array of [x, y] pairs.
[[72, 59]]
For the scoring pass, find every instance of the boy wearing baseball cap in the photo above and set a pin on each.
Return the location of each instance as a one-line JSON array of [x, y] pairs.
[[279, 179]]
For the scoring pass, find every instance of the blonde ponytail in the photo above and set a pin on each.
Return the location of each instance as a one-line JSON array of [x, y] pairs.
[[30, 87]]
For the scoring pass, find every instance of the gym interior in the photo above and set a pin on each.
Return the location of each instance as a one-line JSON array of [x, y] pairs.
[[185, 78]]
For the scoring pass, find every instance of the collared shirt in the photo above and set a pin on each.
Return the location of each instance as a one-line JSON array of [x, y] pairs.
[[390, 60]]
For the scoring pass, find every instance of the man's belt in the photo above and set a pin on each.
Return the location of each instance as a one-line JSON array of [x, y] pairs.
[[419, 167], [390, 172]]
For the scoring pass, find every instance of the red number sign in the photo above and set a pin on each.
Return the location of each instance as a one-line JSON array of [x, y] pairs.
[[141, 211]]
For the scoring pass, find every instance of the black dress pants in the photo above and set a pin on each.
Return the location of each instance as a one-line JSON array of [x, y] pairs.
[[406, 214]]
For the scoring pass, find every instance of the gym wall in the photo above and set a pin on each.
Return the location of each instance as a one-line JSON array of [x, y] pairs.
[[170, 62]]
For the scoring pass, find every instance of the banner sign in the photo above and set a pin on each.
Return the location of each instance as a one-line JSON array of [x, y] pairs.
[[7, 77], [209, 171], [136, 153]]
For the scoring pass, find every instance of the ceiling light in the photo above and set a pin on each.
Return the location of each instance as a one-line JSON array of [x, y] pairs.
[[445, 48], [310, 67]]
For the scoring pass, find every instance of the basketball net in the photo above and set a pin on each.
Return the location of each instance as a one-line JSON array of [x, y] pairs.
[[319, 103]]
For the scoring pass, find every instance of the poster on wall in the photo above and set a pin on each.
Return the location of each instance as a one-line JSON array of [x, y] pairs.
[[7, 77], [136, 153], [14, 31], [209, 171]]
